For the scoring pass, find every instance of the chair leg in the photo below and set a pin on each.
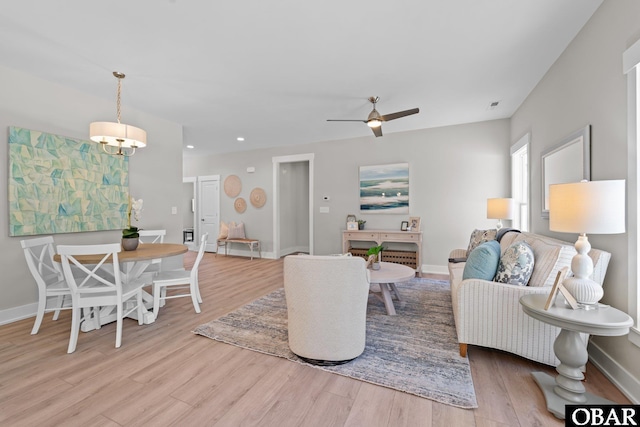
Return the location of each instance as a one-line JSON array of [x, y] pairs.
[[156, 299], [194, 295], [60, 302], [42, 303], [75, 328], [198, 290], [119, 324], [139, 304]]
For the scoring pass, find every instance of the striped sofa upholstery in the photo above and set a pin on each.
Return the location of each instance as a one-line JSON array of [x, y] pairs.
[[489, 314]]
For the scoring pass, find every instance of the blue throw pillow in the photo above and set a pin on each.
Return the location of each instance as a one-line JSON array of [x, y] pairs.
[[482, 262]]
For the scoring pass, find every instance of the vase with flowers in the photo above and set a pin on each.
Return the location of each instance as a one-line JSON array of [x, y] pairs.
[[131, 235]]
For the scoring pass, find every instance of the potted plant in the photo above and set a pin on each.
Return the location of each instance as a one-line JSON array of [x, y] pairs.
[[130, 235], [375, 251], [361, 224]]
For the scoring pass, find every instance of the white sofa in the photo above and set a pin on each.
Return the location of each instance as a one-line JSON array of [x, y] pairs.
[[327, 306], [489, 314]]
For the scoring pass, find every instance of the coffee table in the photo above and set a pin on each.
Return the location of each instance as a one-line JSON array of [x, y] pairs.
[[386, 278]]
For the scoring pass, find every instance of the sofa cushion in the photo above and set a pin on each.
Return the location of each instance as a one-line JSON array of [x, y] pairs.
[[480, 236], [550, 256], [482, 262], [516, 265]]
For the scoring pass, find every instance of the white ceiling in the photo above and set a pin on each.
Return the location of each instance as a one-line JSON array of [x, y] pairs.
[[274, 71]]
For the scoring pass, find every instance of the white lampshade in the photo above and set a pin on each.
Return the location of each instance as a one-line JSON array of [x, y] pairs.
[[593, 207], [118, 134], [500, 208]]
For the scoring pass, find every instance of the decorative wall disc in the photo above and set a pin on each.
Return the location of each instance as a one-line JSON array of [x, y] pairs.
[[240, 205], [258, 197], [232, 186]]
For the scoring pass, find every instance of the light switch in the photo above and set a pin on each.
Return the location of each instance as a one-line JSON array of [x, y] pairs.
[[324, 209], [174, 210]]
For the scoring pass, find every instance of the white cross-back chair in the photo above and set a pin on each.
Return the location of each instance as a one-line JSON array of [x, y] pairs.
[[179, 279], [48, 276], [153, 236], [90, 291]]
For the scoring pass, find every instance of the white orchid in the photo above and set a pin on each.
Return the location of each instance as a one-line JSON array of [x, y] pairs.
[[136, 208]]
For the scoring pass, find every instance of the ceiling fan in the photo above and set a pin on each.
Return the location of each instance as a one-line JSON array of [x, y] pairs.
[[375, 119]]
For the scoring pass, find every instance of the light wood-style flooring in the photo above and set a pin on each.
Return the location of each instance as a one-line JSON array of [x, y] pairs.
[[165, 375]]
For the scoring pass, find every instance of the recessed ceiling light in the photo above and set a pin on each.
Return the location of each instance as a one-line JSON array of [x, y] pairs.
[[190, 146], [493, 105], [240, 139]]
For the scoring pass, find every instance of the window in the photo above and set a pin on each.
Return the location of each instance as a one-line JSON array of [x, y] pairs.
[[520, 182], [631, 62]]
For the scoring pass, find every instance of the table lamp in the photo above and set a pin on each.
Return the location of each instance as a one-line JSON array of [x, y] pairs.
[[595, 207], [500, 209]]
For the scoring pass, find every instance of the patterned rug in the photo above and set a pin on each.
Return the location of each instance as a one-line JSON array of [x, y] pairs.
[[415, 352]]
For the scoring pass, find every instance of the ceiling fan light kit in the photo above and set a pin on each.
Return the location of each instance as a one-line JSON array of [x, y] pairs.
[[374, 120]]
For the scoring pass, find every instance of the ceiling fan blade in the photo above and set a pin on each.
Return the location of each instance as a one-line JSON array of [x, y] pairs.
[[399, 114], [345, 120], [377, 131]]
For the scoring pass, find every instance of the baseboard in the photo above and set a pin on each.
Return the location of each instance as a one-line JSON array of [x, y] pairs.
[[435, 269], [14, 314], [620, 377]]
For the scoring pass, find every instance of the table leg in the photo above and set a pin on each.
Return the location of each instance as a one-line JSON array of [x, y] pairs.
[[567, 388], [386, 298]]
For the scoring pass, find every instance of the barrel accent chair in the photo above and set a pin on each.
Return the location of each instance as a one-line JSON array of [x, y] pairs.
[[326, 300]]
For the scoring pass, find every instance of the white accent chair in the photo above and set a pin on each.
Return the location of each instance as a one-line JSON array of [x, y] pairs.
[[179, 279], [48, 275], [489, 314], [327, 307], [90, 291], [153, 236]]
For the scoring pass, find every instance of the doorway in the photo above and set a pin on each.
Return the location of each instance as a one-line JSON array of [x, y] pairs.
[[189, 221], [208, 208], [293, 204]]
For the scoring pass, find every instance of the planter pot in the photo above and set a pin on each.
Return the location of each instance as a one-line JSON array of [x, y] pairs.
[[375, 266], [130, 243], [360, 226]]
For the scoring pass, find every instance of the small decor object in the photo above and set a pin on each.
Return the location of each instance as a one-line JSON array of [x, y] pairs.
[[586, 207], [414, 223], [500, 209], [361, 223], [232, 186], [385, 188], [375, 251], [404, 225], [258, 197], [240, 205], [352, 225], [351, 218], [131, 235], [559, 287]]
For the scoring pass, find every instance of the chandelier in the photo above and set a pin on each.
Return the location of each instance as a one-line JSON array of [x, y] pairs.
[[118, 138]]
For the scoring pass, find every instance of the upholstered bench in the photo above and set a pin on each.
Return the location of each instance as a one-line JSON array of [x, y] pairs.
[[252, 243]]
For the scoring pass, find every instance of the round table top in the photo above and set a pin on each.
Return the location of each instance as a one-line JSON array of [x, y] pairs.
[[144, 252], [391, 272], [605, 321]]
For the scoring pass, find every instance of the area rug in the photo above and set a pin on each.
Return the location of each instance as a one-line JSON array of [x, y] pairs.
[[415, 351]]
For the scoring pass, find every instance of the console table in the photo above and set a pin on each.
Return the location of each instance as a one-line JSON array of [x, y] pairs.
[[567, 388], [385, 236]]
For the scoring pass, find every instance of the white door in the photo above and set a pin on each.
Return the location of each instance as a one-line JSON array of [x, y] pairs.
[[209, 209]]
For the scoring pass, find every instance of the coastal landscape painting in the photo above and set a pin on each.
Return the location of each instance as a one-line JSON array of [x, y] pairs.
[[384, 188]]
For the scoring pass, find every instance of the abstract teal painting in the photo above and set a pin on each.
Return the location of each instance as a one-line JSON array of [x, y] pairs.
[[64, 185], [384, 188]]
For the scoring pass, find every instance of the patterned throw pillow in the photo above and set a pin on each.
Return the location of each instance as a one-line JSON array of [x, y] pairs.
[[224, 230], [516, 265], [482, 262], [480, 236]]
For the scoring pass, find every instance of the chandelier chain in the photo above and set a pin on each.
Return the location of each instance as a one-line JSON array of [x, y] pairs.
[[118, 99]]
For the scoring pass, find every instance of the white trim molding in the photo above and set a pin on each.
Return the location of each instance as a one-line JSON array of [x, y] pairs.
[[620, 377]]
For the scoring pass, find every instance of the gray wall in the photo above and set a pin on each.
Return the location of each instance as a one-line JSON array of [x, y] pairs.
[[36, 104], [294, 207], [586, 85], [453, 170]]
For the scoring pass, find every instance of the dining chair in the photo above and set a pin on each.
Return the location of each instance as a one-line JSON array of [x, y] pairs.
[[179, 279], [48, 276], [153, 236], [90, 290]]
